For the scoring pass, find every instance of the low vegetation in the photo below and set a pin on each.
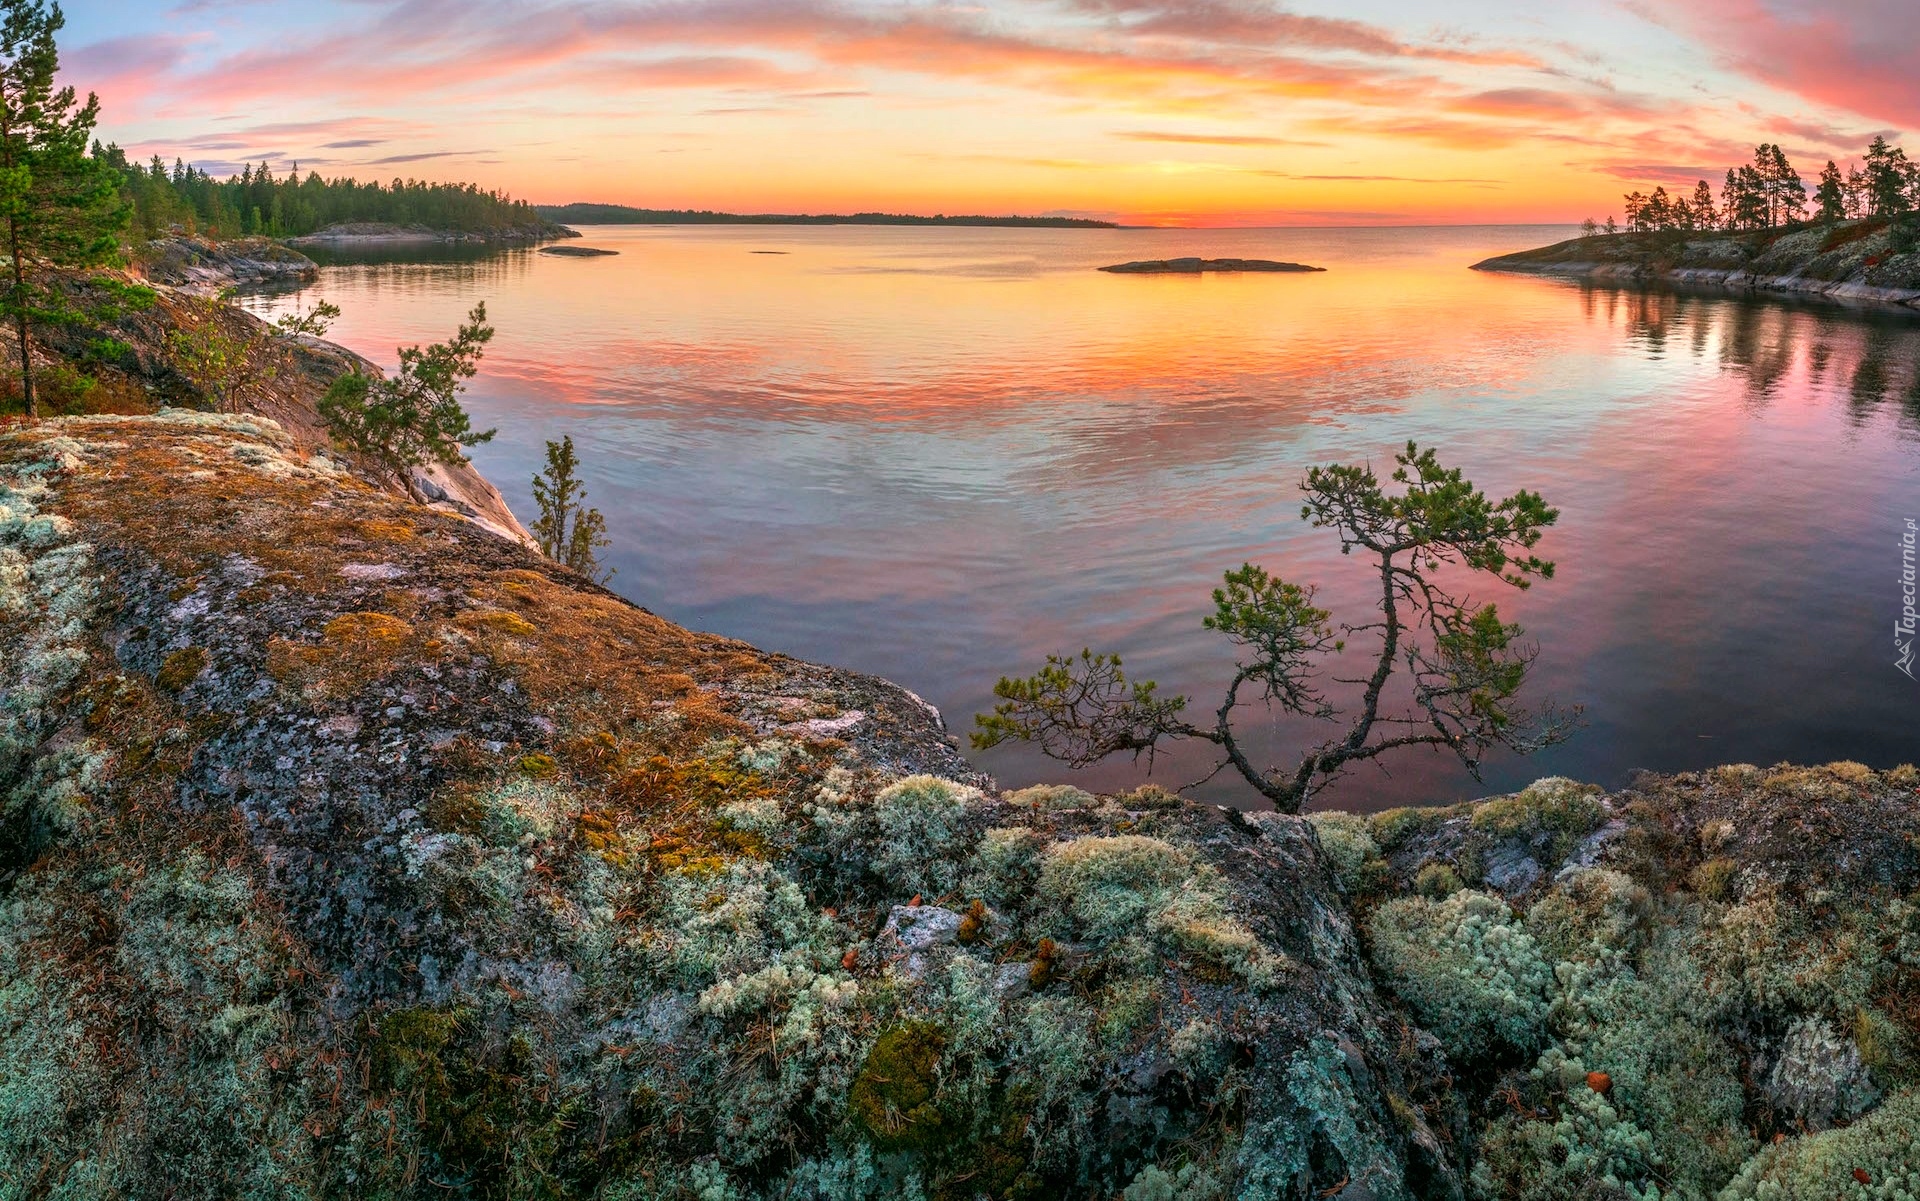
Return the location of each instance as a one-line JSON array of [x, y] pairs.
[[569, 532], [413, 416]]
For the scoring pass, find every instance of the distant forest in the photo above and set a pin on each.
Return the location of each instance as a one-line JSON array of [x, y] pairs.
[[183, 198], [620, 214], [1769, 192]]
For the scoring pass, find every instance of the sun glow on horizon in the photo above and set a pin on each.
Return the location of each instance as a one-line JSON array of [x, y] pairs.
[[1147, 112]]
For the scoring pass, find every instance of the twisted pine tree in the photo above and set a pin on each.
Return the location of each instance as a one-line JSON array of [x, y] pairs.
[[1464, 666], [61, 206]]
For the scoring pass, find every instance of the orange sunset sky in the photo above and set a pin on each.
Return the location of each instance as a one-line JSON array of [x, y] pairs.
[[1222, 112]]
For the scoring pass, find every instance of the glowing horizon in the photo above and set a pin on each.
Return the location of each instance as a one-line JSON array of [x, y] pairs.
[[1149, 112]]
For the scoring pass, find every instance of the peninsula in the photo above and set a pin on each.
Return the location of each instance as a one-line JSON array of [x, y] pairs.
[[620, 214], [1870, 261]]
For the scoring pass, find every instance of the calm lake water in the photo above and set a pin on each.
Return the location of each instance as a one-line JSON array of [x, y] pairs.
[[939, 454]]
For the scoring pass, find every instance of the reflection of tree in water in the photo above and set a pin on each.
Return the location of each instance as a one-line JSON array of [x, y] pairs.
[[1870, 380], [1649, 314], [1868, 358]]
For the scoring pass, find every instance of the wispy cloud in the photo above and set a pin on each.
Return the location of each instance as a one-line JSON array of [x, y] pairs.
[[1212, 139]]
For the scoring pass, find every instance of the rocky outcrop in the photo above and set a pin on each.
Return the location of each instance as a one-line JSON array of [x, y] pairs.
[[381, 233], [144, 370], [209, 268], [346, 849], [578, 252], [1194, 266], [1872, 262]]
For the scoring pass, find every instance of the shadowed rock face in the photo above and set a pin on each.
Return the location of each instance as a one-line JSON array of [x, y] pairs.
[[1193, 266], [207, 268], [347, 849]]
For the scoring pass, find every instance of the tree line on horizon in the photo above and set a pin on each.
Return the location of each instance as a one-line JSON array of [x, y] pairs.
[[185, 199], [1769, 192]]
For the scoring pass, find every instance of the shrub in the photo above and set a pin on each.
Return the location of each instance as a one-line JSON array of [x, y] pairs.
[[1468, 970], [415, 416]]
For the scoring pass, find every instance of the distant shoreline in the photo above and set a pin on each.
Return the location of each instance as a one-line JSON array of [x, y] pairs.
[[619, 214]]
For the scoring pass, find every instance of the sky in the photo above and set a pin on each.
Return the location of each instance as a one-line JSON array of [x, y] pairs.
[[1173, 112]]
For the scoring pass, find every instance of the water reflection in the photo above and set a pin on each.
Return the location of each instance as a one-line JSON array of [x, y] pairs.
[[940, 454]]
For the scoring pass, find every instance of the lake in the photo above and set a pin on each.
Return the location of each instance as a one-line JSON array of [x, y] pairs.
[[939, 454]]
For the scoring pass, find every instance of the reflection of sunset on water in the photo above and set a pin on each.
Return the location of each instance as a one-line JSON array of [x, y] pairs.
[[940, 454]]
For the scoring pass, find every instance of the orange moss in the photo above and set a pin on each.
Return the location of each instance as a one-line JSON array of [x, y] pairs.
[[378, 530]]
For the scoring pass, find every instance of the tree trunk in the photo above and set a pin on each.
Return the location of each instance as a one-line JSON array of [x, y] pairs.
[[20, 318]]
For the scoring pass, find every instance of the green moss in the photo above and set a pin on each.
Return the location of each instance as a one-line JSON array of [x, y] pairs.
[[181, 668], [1593, 913], [1109, 886], [892, 1099], [1714, 878], [1392, 829], [484, 1111], [1050, 798], [1438, 881], [922, 838]]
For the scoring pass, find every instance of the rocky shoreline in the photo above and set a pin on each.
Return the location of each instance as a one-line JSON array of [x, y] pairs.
[[1865, 263], [374, 233], [202, 267]]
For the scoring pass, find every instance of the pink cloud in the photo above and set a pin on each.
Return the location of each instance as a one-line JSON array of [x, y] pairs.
[[1857, 55]]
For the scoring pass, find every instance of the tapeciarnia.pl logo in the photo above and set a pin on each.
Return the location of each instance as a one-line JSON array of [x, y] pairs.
[[1903, 629]]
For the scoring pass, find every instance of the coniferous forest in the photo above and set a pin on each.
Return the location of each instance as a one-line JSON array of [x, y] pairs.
[[186, 199]]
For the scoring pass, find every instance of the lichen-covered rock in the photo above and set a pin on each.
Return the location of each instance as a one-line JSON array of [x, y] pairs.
[[1819, 1077], [349, 850], [1706, 972]]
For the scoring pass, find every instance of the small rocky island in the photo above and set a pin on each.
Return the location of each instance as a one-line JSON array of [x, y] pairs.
[[1872, 261], [577, 252], [1194, 266]]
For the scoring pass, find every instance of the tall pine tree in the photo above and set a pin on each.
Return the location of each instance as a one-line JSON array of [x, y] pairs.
[[1831, 195], [61, 206]]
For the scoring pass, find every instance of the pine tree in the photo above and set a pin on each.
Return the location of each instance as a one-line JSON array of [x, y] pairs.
[[1786, 193], [1705, 214], [568, 532], [61, 206], [1885, 179], [1831, 195], [413, 416]]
